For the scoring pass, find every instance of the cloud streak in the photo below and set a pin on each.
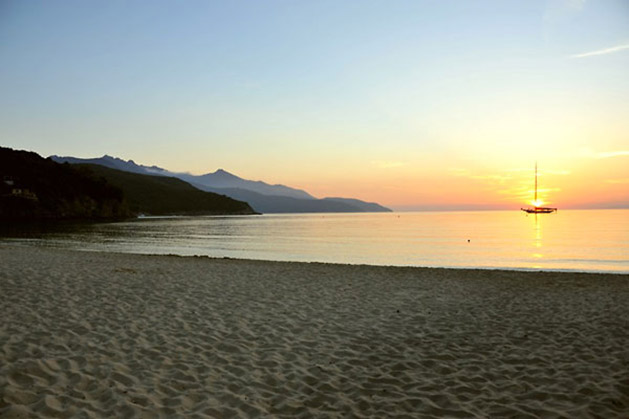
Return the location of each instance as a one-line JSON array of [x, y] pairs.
[[608, 154], [491, 177], [603, 51], [618, 181]]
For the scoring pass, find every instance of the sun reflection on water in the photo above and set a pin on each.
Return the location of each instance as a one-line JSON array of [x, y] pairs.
[[537, 255], [574, 240]]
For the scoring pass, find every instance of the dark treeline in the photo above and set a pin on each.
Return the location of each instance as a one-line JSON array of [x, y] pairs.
[[32, 187], [164, 195]]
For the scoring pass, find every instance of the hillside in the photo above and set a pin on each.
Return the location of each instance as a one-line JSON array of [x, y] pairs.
[[218, 179], [285, 204], [160, 195], [225, 180], [32, 187], [262, 196]]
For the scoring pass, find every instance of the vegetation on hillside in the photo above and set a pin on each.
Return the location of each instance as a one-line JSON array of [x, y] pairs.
[[160, 195], [32, 187]]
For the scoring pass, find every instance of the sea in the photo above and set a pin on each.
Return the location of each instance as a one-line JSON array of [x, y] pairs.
[[569, 240]]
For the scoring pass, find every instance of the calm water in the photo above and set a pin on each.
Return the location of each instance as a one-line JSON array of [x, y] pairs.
[[588, 240]]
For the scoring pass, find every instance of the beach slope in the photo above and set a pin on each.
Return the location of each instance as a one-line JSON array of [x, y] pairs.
[[117, 335]]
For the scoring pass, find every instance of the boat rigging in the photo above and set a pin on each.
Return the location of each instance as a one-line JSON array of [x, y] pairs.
[[537, 208]]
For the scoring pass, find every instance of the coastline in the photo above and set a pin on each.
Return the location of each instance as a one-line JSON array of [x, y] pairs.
[[38, 245], [111, 334]]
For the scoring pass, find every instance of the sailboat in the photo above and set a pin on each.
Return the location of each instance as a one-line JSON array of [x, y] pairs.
[[536, 209]]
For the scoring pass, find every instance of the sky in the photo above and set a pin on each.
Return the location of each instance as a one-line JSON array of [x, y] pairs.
[[413, 104]]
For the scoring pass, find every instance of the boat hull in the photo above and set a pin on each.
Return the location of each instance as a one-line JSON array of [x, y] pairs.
[[539, 210]]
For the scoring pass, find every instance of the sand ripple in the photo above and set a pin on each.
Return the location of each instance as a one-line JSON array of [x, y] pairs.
[[88, 335]]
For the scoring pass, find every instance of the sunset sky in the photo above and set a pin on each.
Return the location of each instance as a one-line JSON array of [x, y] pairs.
[[413, 104]]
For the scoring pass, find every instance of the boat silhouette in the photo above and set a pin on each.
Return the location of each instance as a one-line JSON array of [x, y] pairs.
[[538, 209]]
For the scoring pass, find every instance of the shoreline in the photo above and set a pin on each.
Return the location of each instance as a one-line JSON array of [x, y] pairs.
[[455, 268], [119, 334], [367, 265]]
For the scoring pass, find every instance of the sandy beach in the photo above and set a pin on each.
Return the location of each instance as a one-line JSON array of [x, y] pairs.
[[86, 334]]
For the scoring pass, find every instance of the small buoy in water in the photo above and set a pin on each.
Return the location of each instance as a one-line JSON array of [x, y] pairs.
[[468, 240]]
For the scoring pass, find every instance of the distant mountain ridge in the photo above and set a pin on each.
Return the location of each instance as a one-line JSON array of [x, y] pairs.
[[167, 195], [113, 163], [223, 179], [286, 204], [34, 188], [218, 179], [261, 196]]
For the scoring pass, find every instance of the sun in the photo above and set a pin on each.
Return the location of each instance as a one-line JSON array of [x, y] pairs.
[[537, 203]]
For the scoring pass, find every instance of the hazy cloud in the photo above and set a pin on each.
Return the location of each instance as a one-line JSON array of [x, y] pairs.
[[388, 164], [617, 181], [496, 177], [556, 172], [459, 171], [603, 51], [557, 10], [608, 154], [514, 185]]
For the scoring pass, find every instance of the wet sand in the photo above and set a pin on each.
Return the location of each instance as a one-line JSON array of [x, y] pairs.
[[86, 334]]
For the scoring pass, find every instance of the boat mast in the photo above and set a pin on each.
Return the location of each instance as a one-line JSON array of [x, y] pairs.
[[537, 209], [535, 184]]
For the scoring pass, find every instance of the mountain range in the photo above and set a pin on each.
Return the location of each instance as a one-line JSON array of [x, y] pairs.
[[261, 196], [165, 195], [34, 188]]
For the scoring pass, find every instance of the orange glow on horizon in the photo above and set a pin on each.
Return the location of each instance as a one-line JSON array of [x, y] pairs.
[[494, 182]]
